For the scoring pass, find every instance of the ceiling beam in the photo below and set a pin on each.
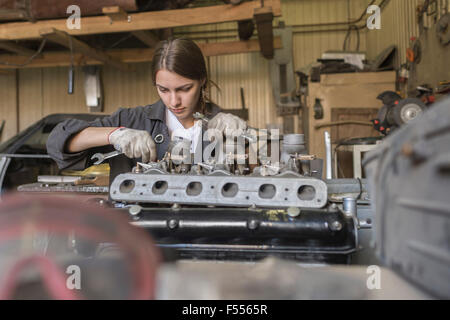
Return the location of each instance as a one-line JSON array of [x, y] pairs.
[[147, 37], [67, 41], [142, 21], [14, 47], [62, 59], [117, 14]]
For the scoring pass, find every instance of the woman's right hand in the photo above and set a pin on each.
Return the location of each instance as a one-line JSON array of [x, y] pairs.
[[134, 143]]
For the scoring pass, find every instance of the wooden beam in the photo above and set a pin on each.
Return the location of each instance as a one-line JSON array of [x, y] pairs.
[[142, 21], [62, 59], [147, 37], [115, 13], [14, 47], [65, 40], [264, 18]]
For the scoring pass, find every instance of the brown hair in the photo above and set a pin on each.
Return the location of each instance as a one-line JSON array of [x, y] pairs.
[[184, 57]]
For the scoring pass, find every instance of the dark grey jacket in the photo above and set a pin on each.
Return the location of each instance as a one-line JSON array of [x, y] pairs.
[[150, 118]]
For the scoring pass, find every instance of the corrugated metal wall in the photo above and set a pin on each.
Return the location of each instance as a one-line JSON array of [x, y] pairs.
[[309, 46], [8, 105], [398, 25], [251, 71], [44, 91]]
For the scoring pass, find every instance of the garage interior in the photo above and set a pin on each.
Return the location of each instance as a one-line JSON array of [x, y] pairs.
[[358, 91]]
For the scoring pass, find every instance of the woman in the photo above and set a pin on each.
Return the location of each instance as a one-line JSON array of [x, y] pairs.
[[143, 133]]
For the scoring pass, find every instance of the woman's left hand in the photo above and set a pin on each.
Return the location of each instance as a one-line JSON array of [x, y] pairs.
[[228, 124]]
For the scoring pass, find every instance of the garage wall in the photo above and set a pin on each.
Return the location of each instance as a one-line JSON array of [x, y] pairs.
[[44, 91], [251, 71], [398, 25], [8, 104]]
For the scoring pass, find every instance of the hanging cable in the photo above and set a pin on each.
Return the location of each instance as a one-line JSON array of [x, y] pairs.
[[347, 37]]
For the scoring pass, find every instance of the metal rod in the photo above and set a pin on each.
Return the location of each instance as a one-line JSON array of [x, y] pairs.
[[328, 152], [31, 156]]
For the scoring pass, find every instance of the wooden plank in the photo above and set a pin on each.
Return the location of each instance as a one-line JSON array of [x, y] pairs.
[[364, 77], [223, 48], [264, 19], [147, 37], [65, 40], [62, 59], [115, 13], [14, 47], [142, 21]]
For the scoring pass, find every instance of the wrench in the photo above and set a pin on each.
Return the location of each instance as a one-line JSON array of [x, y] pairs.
[[103, 156]]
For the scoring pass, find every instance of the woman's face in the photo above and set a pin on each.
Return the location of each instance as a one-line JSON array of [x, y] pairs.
[[181, 95]]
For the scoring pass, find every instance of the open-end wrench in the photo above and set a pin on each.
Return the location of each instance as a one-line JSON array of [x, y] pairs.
[[103, 156]]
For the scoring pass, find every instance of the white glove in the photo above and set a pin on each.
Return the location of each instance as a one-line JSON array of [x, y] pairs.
[[227, 123], [134, 143]]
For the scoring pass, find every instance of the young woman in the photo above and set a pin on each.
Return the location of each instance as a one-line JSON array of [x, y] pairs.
[[143, 133]]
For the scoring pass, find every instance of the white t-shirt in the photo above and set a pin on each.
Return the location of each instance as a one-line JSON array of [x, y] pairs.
[[176, 129]]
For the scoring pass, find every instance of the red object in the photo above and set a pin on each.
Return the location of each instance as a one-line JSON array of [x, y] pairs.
[[54, 278], [376, 122], [382, 128], [396, 102], [66, 216]]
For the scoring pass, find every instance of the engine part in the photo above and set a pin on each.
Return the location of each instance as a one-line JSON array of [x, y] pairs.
[[293, 144], [230, 233], [409, 182], [237, 191]]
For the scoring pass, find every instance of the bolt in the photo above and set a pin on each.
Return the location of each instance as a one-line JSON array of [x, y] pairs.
[[293, 212], [336, 226], [135, 210], [138, 168], [334, 206], [350, 206], [253, 224], [172, 224]]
